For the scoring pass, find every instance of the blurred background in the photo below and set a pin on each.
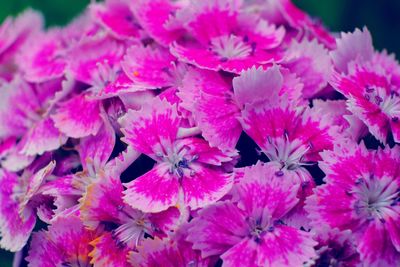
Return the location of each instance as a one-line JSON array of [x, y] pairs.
[[381, 17]]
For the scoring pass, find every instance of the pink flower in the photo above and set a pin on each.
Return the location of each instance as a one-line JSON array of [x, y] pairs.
[[288, 132], [30, 106], [224, 38], [371, 98], [248, 230], [66, 242], [361, 194], [18, 198], [187, 170]]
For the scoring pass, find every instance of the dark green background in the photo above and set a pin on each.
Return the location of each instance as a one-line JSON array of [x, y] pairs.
[[382, 18]]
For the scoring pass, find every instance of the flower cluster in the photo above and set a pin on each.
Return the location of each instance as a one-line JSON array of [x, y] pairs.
[[197, 133]]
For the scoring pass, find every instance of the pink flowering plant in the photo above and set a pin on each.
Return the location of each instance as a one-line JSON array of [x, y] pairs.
[[197, 133]]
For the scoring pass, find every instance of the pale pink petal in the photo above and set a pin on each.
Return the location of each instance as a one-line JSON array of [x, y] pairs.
[[15, 161], [310, 61], [356, 46], [257, 85], [154, 191], [78, 117], [203, 58], [34, 182], [15, 33], [265, 35], [42, 137]]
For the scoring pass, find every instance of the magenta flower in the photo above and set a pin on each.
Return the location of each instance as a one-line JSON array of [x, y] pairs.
[[361, 194], [186, 172], [232, 41], [249, 229]]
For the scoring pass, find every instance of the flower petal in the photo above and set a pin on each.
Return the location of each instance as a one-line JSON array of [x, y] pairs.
[[78, 117], [154, 191]]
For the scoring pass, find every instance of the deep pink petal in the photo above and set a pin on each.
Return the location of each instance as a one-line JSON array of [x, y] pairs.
[[205, 186], [242, 254], [78, 117], [217, 228], [154, 191], [152, 16], [152, 129], [286, 246], [376, 249], [148, 67], [209, 98]]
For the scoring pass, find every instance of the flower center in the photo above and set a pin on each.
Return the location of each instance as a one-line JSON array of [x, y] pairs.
[[290, 154], [375, 199], [230, 47], [179, 161]]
